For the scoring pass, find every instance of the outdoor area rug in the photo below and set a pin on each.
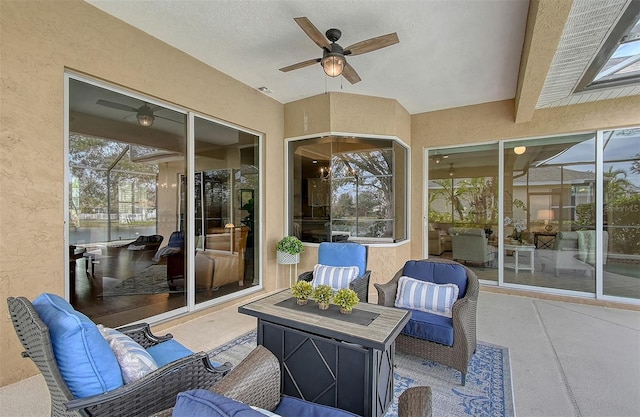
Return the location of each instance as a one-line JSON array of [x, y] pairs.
[[488, 391], [151, 280]]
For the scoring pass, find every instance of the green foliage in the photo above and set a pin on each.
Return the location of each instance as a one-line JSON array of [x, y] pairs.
[[323, 294], [346, 298], [623, 220], [302, 290], [291, 245]]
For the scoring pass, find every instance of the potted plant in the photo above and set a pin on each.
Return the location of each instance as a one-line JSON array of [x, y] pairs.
[[289, 250], [346, 299], [323, 295], [302, 290]]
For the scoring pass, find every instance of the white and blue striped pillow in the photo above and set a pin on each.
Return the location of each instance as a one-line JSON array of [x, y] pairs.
[[135, 362], [337, 277], [426, 296]]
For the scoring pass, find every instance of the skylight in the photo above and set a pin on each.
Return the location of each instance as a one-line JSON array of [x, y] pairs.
[[618, 62]]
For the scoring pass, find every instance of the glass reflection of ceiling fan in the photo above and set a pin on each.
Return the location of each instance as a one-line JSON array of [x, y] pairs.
[[144, 113]]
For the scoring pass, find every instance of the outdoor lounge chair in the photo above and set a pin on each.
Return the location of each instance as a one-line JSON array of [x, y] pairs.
[[152, 393], [449, 341], [345, 254]]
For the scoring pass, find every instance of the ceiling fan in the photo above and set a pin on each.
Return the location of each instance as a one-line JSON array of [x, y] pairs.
[[333, 59], [144, 113]]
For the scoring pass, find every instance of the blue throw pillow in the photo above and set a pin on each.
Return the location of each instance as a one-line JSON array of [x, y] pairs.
[[204, 403], [295, 407], [86, 362]]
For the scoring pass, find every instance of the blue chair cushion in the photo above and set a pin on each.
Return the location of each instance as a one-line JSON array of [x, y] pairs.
[[167, 352], [295, 407], [428, 326], [438, 273], [204, 403], [87, 363], [343, 254]]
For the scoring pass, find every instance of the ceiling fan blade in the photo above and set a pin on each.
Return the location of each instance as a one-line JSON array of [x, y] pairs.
[[350, 74], [372, 44], [117, 106], [166, 118], [313, 32], [300, 65]]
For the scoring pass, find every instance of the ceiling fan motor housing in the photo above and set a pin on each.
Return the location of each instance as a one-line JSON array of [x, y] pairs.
[[333, 34]]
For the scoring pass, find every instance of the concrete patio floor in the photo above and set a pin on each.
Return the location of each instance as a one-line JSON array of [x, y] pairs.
[[567, 359]]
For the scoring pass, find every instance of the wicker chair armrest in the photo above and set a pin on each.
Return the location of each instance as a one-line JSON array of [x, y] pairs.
[[387, 293], [254, 381], [306, 276], [361, 286], [141, 333], [415, 402], [155, 392]]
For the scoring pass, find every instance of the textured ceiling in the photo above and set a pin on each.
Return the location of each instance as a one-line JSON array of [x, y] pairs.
[[451, 53]]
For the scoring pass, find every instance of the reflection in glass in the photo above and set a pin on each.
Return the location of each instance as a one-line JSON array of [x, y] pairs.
[[128, 207], [348, 189], [121, 204], [463, 207], [622, 212]]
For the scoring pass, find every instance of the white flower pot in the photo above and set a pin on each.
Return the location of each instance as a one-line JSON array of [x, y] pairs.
[[285, 258]]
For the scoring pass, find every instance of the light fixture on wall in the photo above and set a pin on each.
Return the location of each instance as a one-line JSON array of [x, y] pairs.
[[519, 150], [451, 170], [438, 158]]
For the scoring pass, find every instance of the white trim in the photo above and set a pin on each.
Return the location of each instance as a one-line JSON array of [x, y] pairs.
[[599, 271], [425, 204], [65, 187], [190, 238], [501, 212]]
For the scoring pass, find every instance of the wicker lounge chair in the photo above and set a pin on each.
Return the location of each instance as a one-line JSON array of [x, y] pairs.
[[459, 354], [345, 254], [154, 392], [256, 382]]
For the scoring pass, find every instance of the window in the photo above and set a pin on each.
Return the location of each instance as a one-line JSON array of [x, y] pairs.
[[348, 189]]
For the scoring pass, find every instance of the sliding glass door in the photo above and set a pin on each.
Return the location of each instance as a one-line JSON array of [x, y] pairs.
[[563, 214], [144, 239]]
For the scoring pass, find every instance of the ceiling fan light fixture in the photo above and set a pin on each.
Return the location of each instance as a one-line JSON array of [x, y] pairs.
[[145, 120], [519, 150], [333, 64]]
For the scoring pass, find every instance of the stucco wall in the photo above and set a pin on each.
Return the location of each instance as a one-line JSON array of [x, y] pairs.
[[39, 41]]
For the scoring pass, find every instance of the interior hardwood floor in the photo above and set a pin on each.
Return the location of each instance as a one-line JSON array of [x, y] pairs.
[[111, 270]]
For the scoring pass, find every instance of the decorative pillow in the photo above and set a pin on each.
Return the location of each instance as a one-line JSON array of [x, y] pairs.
[[134, 360], [337, 277], [426, 296], [86, 361], [201, 403]]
